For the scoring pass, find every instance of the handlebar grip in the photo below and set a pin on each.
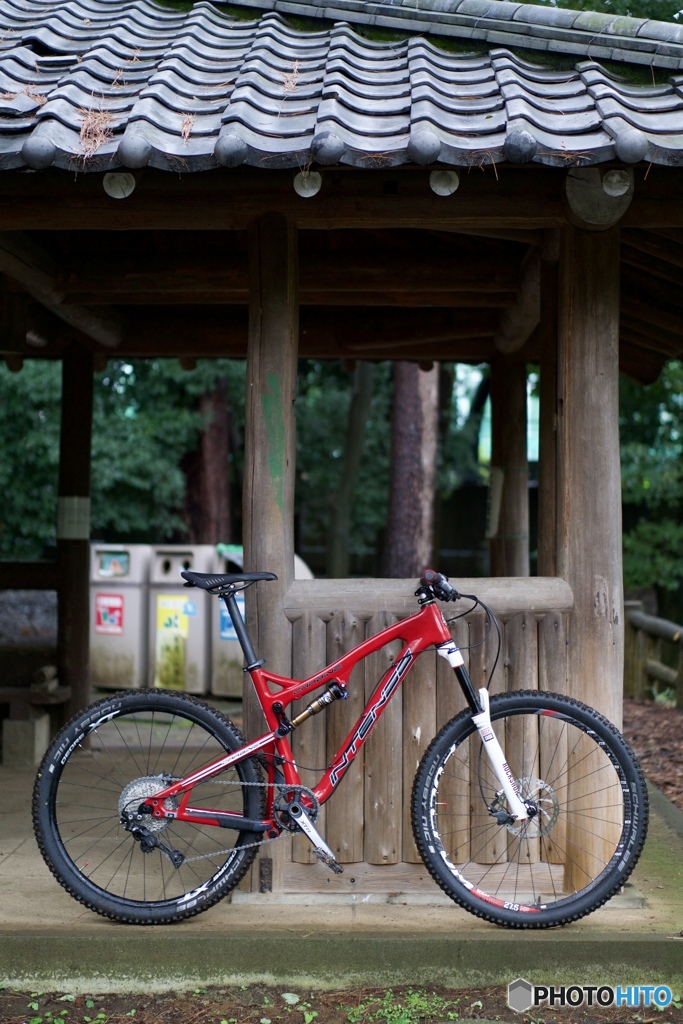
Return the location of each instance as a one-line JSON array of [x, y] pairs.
[[439, 585]]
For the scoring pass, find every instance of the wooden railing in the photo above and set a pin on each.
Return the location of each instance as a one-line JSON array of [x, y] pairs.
[[644, 671], [369, 819]]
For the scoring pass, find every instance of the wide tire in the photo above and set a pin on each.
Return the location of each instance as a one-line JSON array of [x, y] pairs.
[[578, 847], [114, 755]]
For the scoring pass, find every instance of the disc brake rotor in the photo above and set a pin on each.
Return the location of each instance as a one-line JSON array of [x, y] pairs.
[[543, 796]]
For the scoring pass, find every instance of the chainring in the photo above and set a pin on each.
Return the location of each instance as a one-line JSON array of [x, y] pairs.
[[287, 795]]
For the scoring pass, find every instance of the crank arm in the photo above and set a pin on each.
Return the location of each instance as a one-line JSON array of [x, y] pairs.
[[496, 757], [322, 850]]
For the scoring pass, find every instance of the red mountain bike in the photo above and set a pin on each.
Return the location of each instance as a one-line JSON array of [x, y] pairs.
[[528, 808]]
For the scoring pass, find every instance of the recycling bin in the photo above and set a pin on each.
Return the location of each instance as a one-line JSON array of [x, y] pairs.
[[119, 580], [227, 659], [179, 619]]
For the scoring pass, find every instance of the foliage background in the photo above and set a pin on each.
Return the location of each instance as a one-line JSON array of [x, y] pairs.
[[146, 421]]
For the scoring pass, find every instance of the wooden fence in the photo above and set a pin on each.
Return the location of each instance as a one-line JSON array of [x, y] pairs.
[[643, 665], [368, 820]]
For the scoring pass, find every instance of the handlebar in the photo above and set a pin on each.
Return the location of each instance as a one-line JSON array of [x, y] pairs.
[[439, 586]]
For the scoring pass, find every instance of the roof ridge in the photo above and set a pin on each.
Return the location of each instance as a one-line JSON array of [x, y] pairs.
[[504, 22]]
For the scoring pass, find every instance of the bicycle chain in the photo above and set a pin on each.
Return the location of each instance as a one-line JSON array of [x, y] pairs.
[[261, 842]]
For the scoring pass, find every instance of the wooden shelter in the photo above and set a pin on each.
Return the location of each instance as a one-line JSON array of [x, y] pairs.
[[494, 181]]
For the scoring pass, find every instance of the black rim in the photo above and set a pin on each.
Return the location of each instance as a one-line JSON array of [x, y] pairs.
[[586, 817], [126, 752]]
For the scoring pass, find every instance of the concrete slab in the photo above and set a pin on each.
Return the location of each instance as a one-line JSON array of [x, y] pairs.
[[49, 941]]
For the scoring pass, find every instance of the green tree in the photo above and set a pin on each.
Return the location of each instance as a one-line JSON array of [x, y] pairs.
[[145, 422], [322, 410], [29, 458], [652, 480]]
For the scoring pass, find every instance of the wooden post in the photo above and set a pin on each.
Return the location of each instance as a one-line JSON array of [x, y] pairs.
[[588, 536], [270, 447], [589, 480], [510, 547], [73, 526], [547, 456], [633, 654]]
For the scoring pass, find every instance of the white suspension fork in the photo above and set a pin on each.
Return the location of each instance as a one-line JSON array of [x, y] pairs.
[[494, 752], [496, 757]]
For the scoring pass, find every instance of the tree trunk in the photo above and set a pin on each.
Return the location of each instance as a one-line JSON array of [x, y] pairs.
[[510, 546], [410, 527], [214, 450], [207, 501], [338, 547]]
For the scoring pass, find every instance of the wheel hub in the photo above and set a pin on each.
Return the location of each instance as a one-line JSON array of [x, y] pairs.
[[140, 790], [541, 796]]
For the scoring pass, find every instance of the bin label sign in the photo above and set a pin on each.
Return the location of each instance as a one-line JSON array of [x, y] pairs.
[[172, 634], [227, 628], [109, 614], [172, 615], [113, 563]]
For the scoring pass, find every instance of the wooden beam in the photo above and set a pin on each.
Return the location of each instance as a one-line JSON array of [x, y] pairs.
[[651, 338], [519, 321], [643, 307], [640, 364], [28, 264], [655, 245], [656, 291], [505, 597], [335, 331], [122, 280], [633, 257], [675, 234], [41, 575], [521, 200], [410, 299]]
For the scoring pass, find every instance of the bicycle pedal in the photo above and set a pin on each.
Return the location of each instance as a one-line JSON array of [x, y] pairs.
[[328, 861]]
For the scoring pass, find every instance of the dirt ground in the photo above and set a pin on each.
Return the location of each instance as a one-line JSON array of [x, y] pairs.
[[256, 1004], [656, 734]]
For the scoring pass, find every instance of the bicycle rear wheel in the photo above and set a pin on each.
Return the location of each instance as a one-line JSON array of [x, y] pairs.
[[110, 758], [577, 849]]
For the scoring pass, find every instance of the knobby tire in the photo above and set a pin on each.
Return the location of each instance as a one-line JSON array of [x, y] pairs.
[[569, 858], [113, 755]]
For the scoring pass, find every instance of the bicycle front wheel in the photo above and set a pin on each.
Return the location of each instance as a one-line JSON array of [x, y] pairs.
[[587, 826], [108, 760]]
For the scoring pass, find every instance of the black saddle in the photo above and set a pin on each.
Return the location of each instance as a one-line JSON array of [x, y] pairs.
[[216, 581]]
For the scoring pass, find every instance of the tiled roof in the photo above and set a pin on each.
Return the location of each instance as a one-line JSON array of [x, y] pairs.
[[97, 84]]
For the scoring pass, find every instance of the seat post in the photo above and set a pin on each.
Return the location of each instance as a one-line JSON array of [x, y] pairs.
[[241, 629]]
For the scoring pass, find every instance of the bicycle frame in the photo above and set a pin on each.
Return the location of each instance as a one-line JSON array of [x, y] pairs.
[[419, 632]]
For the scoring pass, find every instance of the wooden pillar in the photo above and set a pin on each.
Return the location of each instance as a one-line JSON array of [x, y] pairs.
[[73, 526], [270, 448], [547, 454], [510, 546], [588, 535]]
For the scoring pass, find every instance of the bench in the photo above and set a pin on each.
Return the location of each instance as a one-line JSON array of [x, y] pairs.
[[27, 731]]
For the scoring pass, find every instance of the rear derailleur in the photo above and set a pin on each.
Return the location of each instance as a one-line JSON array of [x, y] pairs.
[[147, 840]]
